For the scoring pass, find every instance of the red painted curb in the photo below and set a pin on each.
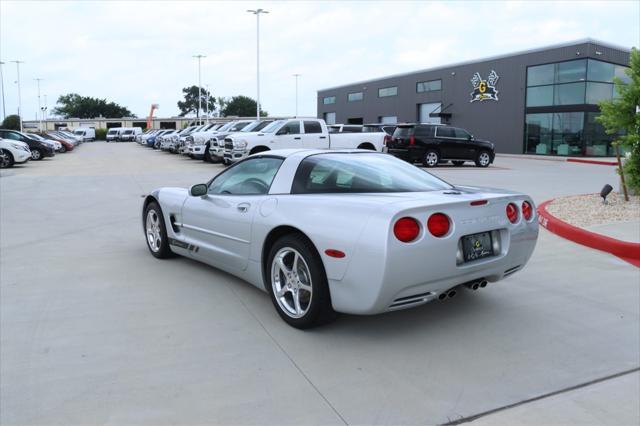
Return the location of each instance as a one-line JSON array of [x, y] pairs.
[[602, 163], [627, 251]]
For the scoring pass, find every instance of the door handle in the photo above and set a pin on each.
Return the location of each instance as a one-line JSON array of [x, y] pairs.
[[243, 207], [297, 138], [323, 137]]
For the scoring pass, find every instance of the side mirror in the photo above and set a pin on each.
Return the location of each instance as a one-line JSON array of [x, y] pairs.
[[198, 190]]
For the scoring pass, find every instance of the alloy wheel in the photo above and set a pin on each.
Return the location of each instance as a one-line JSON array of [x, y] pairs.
[[484, 159], [431, 159], [35, 154], [291, 282], [154, 237]]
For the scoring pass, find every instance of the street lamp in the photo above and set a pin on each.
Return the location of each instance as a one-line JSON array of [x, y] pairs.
[[17, 62], [199, 85], [207, 102], [296, 76], [257, 12], [39, 104], [4, 109]]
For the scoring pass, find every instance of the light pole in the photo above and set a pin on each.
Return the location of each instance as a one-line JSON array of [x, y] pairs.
[[39, 104], [4, 109], [257, 12], [207, 86], [44, 112], [199, 85], [296, 76], [19, 93]]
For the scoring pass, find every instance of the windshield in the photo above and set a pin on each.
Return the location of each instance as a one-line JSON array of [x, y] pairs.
[[78, 132], [128, 132], [361, 173], [274, 126], [239, 126], [226, 126], [112, 132], [255, 126]]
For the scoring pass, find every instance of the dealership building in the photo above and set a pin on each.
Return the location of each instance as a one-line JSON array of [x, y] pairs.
[[540, 101]]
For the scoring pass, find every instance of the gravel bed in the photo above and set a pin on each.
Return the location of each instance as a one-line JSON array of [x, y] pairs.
[[588, 210]]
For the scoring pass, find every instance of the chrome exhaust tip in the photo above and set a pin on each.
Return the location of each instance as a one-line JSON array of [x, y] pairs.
[[451, 293], [483, 283], [442, 296]]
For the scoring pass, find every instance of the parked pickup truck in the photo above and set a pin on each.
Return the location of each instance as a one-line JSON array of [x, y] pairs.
[[296, 133]]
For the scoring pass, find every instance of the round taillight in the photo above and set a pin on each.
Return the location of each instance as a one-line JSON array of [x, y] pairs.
[[406, 229], [438, 224], [527, 210], [512, 213]]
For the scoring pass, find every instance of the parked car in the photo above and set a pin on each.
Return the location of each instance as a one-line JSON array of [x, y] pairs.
[[296, 133], [434, 143], [198, 151], [39, 149], [70, 135], [66, 145], [56, 145], [153, 141], [62, 136], [129, 134], [142, 138], [113, 134], [13, 152], [86, 133], [215, 146], [404, 237]]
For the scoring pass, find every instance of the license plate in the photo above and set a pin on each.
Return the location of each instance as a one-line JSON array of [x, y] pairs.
[[477, 246]]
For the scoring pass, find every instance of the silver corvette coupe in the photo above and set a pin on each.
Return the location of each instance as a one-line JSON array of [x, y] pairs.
[[353, 231]]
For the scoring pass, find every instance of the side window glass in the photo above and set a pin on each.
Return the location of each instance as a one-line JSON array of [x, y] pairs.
[[251, 177], [462, 134], [312, 127], [293, 128], [445, 132]]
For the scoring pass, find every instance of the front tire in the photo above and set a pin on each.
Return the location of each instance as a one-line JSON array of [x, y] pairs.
[[155, 232], [483, 159], [431, 158], [36, 154], [297, 283], [6, 160], [63, 149]]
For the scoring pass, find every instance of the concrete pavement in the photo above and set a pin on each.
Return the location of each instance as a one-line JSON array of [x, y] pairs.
[[93, 330]]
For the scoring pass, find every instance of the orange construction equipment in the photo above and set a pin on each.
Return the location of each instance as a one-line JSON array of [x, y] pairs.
[[150, 119]]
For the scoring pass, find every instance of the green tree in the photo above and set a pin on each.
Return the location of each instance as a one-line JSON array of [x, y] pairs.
[[241, 106], [11, 122], [73, 105], [190, 103], [620, 116]]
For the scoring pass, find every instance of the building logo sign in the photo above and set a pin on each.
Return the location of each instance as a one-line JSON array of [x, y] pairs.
[[484, 90]]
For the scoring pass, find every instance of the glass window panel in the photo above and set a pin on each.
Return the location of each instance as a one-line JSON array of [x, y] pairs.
[[567, 133], [600, 71], [569, 94], [539, 96], [621, 73], [597, 141], [538, 133], [387, 91], [445, 132], [461, 134], [329, 100], [571, 71], [330, 117], [355, 96], [435, 85], [251, 177], [597, 92], [540, 75]]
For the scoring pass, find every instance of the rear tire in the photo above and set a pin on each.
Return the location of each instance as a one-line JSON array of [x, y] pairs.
[[297, 283], [458, 163], [63, 149], [6, 159], [207, 156], [431, 158], [483, 159], [155, 232]]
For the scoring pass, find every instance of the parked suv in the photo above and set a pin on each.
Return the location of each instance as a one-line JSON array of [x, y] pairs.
[[39, 149], [435, 143]]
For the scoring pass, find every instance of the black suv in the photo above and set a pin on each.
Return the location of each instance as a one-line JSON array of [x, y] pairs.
[[39, 149], [435, 143]]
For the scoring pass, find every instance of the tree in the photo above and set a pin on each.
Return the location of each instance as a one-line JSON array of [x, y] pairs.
[[11, 122], [73, 105], [190, 103], [241, 106], [620, 116]]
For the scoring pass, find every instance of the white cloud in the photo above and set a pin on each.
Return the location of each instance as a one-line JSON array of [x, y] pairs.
[[138, 53]]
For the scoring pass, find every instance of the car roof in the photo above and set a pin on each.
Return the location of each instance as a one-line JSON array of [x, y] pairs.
[[286, 153]]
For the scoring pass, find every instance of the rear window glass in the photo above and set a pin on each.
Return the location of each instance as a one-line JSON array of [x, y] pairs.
[[312, 127], [361, 173], [446, 132], [403, 132]]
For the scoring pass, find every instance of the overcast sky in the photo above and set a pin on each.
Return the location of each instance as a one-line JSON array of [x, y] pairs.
[[138, 53]]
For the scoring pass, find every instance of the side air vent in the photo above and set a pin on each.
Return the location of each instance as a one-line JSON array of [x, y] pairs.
[[512, 270], [415, 299], [174, 225]]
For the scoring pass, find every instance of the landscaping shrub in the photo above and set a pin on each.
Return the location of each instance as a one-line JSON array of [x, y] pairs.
[[101, 134]]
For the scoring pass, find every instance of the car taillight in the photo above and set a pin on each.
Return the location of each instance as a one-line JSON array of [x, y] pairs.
[[527, 210], [387, 139], [512, 213], [438, 224], [412, 140], [406, 229]]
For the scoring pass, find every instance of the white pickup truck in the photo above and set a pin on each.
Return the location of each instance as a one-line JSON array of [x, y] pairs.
[[309, 133]]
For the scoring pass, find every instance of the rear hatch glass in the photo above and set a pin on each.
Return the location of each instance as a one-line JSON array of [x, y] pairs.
[[401, 136]]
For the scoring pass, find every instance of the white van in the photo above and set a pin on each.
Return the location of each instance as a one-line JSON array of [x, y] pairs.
[[86, 133], [129, 134], [114, 134]]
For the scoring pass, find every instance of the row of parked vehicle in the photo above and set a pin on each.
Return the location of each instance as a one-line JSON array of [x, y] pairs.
[[429, 144], [123, 134], [19, 147]]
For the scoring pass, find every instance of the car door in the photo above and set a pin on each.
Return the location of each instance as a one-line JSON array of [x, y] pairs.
[[466, 146], [449, 144], [288, 136], [219, 223], [313, 137]]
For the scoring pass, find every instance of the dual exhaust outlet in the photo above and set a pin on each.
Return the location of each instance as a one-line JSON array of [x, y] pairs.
[[474, 285]]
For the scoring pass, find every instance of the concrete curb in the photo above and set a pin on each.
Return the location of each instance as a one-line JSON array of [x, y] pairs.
[[599, 162], [627, 251]]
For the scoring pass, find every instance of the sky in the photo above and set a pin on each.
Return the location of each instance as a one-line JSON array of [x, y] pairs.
[[139, 53]]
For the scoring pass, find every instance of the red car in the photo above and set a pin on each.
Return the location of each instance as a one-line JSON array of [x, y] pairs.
[[66, 145]]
